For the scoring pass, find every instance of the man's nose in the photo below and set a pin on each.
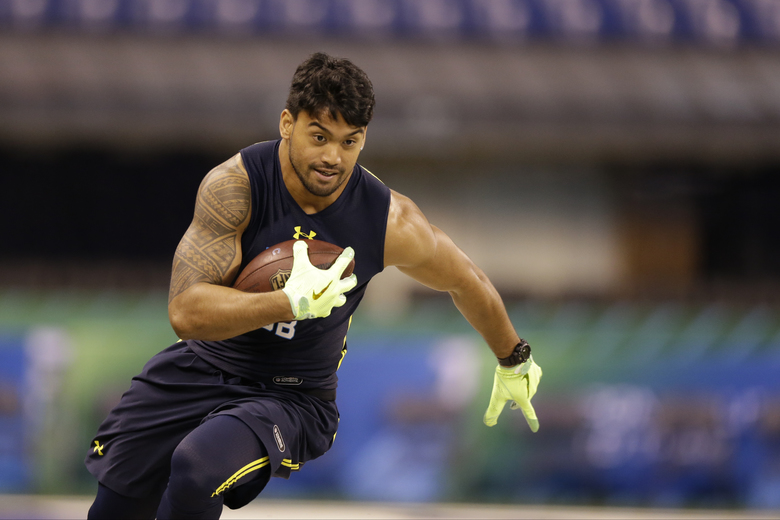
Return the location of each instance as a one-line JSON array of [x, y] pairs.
[[331, 155]]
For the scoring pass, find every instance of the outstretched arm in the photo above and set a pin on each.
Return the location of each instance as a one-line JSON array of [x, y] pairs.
[[201, 305], [425, 253]]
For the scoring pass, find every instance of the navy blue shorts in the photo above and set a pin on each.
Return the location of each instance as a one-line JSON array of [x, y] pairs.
[[176, 392]]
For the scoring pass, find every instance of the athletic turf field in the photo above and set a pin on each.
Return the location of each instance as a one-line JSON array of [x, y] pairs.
[[20, 507]]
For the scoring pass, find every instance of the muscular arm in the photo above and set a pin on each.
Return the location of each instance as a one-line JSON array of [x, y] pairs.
[[200, 303], [428, 255]]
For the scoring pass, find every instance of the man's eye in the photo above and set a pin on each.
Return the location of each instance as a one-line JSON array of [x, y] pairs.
[[320, 138], [349, 142]]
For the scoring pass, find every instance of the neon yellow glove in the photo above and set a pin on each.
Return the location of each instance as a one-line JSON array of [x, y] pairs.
[[517, 384], [313, 292]]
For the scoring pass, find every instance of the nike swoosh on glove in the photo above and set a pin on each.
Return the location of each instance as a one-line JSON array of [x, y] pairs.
[[313, 292]]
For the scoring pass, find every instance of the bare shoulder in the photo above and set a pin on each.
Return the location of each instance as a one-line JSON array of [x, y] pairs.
[[210, 250], [225, 190], [410, 238]]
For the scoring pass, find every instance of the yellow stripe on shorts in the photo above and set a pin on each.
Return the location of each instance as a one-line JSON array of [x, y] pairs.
[[289, 464], [249, 468]]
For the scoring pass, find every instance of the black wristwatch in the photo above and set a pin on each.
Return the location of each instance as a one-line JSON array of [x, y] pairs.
[[520, 355]]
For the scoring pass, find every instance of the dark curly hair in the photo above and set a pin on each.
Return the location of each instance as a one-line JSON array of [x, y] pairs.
[[337, 85]]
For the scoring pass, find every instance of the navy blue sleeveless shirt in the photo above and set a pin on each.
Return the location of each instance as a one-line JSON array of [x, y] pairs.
[[304, 354]]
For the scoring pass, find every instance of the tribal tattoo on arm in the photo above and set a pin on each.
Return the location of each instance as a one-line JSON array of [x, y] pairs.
[[210, 249]]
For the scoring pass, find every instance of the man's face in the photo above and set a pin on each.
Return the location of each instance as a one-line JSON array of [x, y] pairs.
[[322, 150]]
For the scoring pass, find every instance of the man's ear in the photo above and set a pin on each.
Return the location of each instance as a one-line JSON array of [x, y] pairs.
[[286, 123], [365, 131]]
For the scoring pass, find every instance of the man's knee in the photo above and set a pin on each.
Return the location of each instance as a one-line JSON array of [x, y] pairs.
[[204, 462], [191, 470]]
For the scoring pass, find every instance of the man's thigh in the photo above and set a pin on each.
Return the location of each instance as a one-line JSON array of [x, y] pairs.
[[176, 390]]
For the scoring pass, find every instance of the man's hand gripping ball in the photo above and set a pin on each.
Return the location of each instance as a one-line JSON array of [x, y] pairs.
[[313, 292], [517, 384]]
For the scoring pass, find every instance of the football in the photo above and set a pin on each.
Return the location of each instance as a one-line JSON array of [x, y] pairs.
[[269, 270]]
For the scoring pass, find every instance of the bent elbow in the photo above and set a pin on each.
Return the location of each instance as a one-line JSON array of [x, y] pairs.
[[179, 322]]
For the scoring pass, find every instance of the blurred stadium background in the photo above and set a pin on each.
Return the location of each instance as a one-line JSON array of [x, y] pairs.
[[611, 164]]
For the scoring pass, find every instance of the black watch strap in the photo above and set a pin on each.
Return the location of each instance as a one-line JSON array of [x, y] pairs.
[[520, 355]]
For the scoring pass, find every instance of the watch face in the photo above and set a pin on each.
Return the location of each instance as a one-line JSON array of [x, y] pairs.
[[520, 355], [525, 351]]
